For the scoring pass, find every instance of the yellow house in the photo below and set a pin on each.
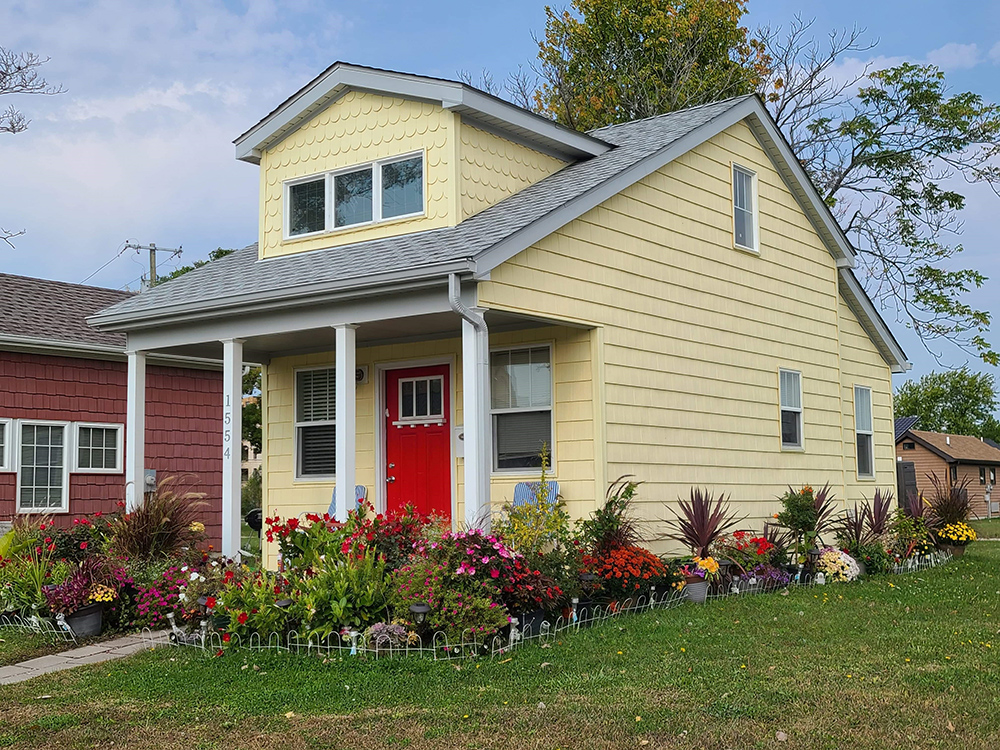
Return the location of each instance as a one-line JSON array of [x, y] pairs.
[[444, 282]]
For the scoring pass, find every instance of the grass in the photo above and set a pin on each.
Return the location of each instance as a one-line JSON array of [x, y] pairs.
[[17, 647], [988, 528], [249, 540], [907, 661]]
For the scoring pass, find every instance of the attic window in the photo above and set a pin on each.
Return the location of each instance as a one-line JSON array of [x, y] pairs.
[[909, 446], [367, 193], [744, 209]]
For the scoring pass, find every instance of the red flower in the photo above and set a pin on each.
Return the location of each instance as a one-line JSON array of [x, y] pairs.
[[210, 603], [83, 545], [226, 638], [219, 652], [242, 618]]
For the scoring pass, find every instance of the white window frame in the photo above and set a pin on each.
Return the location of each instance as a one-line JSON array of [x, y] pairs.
[[800, 446], [755, 213], [329, 177], [7, 454], [296, 424], [871, 432], [428, 418], [68, 448], [119, 451], [523, 409]]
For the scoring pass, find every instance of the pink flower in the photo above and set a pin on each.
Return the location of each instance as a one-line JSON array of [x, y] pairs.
[[494, 573]]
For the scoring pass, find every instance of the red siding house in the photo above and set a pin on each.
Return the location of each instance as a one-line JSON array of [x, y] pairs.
[[63, 404]]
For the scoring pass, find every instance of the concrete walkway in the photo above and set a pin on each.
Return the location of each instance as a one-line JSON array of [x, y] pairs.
[[94, 654]]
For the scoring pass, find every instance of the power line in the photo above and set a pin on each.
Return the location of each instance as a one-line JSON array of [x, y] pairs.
[[120, 252]]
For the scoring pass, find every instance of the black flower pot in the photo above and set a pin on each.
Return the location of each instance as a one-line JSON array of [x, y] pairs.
[[87, 621]]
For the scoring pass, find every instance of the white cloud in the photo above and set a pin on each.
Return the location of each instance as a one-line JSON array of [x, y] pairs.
[[955, 56], [994, 53]]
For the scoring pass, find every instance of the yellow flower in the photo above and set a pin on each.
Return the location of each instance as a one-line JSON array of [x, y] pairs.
[[197, 527]]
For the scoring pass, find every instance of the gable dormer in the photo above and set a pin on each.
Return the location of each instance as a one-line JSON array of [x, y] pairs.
[[361, 154]]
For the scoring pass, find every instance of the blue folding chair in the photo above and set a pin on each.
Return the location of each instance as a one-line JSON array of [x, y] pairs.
[[360, 495], [525, 492]]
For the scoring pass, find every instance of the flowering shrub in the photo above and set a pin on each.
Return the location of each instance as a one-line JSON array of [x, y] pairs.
[[523, 588], [958, 534], [85, 538], [391, 537], [625, 571], [767, 576], [837, 565], [470, 555], [155, 601], [460, 605], [744, 548], [307, 544], [250, 599], [339, 595]]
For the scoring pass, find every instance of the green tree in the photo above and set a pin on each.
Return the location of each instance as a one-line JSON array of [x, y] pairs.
[[956, 401], [609, 61], [213, 255], [885, 148]]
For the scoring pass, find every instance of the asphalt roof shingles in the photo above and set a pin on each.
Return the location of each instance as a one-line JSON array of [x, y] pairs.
[[55, 311], [243, 274]]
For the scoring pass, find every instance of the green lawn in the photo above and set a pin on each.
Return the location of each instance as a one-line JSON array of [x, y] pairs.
[[907, 661], [249, 540], [988, 528], [15, 647]]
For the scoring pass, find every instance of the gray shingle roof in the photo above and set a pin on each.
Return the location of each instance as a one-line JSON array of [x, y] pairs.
[[55, 311], [241, 274], [904, 425]]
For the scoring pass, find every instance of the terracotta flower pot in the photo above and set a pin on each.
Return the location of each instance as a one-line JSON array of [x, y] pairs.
[[955, 549]]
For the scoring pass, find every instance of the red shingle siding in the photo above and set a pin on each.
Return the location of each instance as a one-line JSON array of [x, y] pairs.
[[183, 424]]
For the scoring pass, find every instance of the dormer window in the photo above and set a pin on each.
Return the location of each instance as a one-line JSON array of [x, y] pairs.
[[364, 194]]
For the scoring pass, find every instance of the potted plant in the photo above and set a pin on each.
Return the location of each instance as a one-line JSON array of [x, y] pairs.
[[72, 598], [701, 521], [697, 577], [806, 514], [955, 537]]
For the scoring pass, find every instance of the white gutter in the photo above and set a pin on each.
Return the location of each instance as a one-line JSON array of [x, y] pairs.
[[97, 351]]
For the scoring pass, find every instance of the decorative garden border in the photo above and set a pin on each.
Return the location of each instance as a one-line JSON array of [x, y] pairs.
[[57, 630], [438, 646]]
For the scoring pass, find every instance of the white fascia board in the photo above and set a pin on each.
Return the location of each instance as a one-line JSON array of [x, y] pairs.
[[551, 222], [448, 94], [861, 305], [105, 352], [300, 295]]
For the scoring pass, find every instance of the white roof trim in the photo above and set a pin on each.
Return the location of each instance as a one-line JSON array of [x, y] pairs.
[[77, 349], [338, 78], [861, 305]]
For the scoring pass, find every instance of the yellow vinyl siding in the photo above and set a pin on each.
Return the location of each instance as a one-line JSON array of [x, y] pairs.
[[573, 413], [493, 168], [358, 128], [694, 331]]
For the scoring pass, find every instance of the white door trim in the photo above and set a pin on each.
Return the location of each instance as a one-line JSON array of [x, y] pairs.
[[378, 497]]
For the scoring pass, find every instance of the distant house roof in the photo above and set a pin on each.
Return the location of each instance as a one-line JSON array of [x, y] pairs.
[[39, 311], [957, 448], [621, 156], [904, 424]]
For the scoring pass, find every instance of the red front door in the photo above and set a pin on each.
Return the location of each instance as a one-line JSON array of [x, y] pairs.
[[418, 439]]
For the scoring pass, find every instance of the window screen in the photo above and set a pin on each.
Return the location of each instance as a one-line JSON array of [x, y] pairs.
[[521, 393], [43, 463], [315, 425], [743, 211], [402, 188], [307, 207], [790, 386]]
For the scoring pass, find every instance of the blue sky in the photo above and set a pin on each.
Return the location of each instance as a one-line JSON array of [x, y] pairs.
[[139, 147]]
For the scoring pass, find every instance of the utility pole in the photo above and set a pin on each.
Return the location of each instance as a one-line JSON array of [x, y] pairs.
[[153, 250]]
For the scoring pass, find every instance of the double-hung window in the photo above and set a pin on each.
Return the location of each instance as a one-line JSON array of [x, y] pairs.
[[315, 425], [864, 431], [521, 395], [99, 448], [43, 476], [744, 208], [790, 387], [982, 475], [6, 443], [363, 194]]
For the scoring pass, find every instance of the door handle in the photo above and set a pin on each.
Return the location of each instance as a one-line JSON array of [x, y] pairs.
[[390, 480]]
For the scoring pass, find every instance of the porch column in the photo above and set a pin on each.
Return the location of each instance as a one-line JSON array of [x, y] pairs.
[[346, 450], [232, 444], [476, 415], [135, 431]]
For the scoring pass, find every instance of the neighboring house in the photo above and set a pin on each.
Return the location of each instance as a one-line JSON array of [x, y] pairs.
[[903, 424], [63, 398], [443, 283], [953, 459]]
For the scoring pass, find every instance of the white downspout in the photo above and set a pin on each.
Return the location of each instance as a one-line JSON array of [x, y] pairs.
[[476, 400]]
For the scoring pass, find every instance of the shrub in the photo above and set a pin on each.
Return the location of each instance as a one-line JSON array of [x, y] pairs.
[[806, 514], [626, 571], [699, 523], [524, 588], [391, 537], [340, 595], [950, 503], [744, 549], [84, 538], [911, 535], [307, 544], [612, 526], [161, 526], [837, 565], [538, 525], [875, 557], [251, 600]]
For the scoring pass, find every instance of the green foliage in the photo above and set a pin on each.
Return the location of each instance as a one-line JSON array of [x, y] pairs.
[[806, 514], [957, 401], [177, 272], [874, 555], [949, 503], [700, 521], [538, 525], [611, 61], [910, 535], [612, 525], [341, 594], [250, 601], [166, 522], [252, 495], [307, 544], [251, 414]]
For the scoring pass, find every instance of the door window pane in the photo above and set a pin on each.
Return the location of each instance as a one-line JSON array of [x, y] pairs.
[[402, 188], [352, 198], [421, 398], [42, 467], [406, 408], [307, 207]]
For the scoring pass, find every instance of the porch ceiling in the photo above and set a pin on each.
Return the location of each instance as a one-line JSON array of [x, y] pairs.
[[260, 349]]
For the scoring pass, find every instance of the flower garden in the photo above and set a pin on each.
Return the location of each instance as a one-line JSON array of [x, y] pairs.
[[408, 584]]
